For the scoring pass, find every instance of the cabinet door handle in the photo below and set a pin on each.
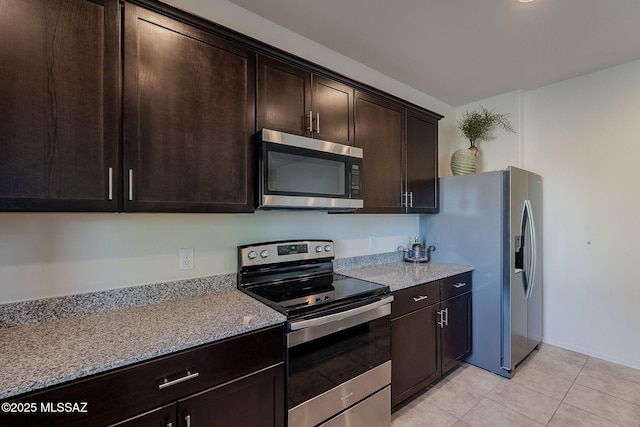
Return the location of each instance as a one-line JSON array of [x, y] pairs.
[[444, 318], [410, 199], [187, 419], [317, 122], [419, 298], [187, 377], [130, 184], [110, 191], [458, 285], [310, 128]]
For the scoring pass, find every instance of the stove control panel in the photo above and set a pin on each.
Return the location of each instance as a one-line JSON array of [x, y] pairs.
[[300, 248], [284, 251]]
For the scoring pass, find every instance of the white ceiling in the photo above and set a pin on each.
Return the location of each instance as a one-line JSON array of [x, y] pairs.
[[461, 51]]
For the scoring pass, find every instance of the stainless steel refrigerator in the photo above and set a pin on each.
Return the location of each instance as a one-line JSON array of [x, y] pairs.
[[493, 222]]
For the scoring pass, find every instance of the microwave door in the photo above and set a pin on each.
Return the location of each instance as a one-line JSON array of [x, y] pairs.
[[303, 176]]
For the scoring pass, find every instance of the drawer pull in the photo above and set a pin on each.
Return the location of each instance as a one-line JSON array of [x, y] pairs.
[[419, 298], [459, 285], [189, 376]]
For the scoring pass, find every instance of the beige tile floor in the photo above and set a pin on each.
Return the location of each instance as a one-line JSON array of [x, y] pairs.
[[552, 387]]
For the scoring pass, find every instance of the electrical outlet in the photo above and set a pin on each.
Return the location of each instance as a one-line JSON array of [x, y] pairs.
[[372, 241], [186, 261]]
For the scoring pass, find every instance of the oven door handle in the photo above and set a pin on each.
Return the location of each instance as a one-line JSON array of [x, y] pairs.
[[306, 330]]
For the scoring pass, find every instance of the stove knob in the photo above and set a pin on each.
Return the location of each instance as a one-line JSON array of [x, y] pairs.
[[264, 254], [252, 255], [318, 249], [327, 248]]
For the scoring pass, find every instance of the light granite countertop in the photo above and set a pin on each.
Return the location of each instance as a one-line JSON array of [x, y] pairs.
[[399, 275], [42, 354]]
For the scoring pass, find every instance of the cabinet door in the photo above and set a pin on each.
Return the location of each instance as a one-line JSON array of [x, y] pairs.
[[161, 417], [256, 400], [422, 162], [188, 118], [379, 131], [415, 360], [332, 111], [456, 335], [59, 105], [284, 97]]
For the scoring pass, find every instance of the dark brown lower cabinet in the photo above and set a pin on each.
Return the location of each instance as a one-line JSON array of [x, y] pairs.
[[161, 417], [255, 400], [430, 335], [414, 352], [456, 335], [237, 381]]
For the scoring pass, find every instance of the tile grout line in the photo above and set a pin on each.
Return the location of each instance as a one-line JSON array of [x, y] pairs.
[[567, 392], [483, 396], [582, 409], [615, 377]]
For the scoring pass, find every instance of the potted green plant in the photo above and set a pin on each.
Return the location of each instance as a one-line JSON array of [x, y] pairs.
[[476, 125]]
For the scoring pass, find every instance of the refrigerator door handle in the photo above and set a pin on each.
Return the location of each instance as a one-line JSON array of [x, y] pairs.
[[532, 240]]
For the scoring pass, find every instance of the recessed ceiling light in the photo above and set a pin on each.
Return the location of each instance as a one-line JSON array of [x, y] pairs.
[[525, 1]]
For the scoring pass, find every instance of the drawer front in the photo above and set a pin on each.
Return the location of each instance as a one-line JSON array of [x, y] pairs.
[[455, 285], [409, 299], [126, 392]]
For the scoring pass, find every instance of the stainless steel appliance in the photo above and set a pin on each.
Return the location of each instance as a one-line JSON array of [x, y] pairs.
[[493, 221], [338, 332], [299, 172]]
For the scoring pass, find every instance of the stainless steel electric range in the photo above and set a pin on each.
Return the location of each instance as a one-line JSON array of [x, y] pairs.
[[338, 332]]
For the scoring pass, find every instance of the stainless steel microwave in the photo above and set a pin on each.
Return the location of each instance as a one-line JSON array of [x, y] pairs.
[[297, 172]]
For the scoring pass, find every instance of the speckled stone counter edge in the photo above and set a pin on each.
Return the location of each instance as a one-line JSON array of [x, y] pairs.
[[40, 310]]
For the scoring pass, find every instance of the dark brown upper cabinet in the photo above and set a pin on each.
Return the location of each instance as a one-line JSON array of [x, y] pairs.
[[421, 163], [189, 117], [379, 131], [137, 106], [294, 100], [59, 105], [400, 156]]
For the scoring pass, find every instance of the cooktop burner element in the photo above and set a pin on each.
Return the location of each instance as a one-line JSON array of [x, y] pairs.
[[297, 278]]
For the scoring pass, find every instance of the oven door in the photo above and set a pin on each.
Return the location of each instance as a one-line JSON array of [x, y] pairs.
[[300, 172], [339, 366]]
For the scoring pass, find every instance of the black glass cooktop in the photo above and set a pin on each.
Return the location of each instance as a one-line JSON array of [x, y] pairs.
[[297, 297]]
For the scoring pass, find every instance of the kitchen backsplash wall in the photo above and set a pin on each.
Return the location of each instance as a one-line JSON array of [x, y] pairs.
[[52, 254]]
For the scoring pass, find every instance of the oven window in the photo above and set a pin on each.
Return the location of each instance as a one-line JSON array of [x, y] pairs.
[[293, 173], [324, 363]]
